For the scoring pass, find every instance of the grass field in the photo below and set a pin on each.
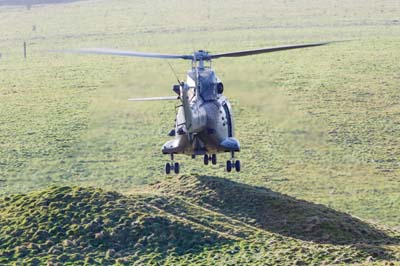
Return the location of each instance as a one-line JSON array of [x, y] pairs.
[[320, 125]]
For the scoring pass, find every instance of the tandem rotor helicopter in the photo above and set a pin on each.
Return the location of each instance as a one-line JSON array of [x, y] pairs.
[[204, 120]]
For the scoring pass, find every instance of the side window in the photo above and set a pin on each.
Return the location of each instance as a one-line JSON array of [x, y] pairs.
[[191, 93]]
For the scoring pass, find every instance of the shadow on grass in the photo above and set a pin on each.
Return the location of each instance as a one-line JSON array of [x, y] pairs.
[[285, 215]]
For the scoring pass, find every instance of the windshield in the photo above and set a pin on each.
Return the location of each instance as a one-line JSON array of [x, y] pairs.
[[208, 85]]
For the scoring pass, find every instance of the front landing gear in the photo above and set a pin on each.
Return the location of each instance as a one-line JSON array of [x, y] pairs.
[[232, 163], [172, 166], [208, 158]]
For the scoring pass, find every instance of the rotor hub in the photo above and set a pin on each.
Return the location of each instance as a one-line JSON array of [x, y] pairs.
[[201, 55]]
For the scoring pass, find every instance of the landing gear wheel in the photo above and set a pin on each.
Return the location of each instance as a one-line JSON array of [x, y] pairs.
[[176, 168], [206, 159], [214, 159], [228, 166], [237, 166], [168, 168]]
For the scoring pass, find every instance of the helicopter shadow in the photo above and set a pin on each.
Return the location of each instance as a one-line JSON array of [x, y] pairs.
[[285, 215]]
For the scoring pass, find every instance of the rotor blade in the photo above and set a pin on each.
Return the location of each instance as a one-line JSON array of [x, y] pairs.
[[266, 50], [106, 51], [166, 98]]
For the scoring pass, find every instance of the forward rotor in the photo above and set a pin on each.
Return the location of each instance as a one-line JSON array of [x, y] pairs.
[[199, 55]]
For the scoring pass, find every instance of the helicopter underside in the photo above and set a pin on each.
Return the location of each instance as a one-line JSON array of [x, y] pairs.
[[196, 147], [200, 146]]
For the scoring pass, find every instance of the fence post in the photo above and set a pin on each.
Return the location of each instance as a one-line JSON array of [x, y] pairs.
[[25, 50]]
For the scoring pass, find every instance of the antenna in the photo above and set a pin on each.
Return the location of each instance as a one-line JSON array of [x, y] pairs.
[[173, 71]]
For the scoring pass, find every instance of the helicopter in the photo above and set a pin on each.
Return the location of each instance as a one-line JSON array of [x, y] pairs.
[[204, 124]]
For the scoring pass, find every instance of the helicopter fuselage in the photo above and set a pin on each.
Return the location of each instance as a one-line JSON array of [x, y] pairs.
[[204, 122]]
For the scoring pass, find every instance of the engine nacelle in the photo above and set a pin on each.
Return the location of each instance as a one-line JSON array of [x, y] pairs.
[[177, 89], [220, 87]]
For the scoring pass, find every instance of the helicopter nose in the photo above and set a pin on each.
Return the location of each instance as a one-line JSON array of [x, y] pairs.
[[230, 144]]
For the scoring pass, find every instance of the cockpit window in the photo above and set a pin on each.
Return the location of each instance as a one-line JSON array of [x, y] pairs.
[[208, 85], [191, 93]]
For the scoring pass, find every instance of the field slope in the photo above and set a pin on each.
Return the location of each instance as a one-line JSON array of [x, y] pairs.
[[187, 220], [81, 172]]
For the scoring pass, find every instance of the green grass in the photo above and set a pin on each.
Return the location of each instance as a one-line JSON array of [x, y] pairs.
[[317, 124], [187, 220]]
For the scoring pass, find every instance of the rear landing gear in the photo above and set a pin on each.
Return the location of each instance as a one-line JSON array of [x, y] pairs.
[[237, 165], [168, 168], [228, 166], [172, 166], [232, 163], [176, 168]]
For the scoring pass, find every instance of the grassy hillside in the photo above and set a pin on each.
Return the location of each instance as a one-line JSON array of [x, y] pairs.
[[185, 221], [319, 125]]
